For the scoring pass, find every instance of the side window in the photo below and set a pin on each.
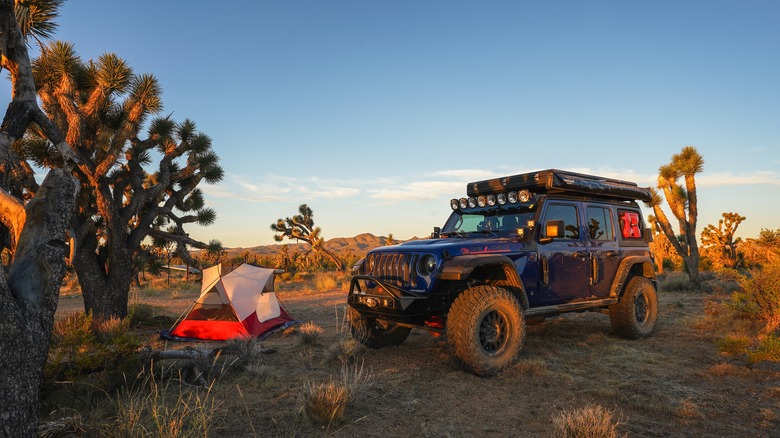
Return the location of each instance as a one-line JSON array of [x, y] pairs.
[[600, 224], [567, 214], [630, 226]]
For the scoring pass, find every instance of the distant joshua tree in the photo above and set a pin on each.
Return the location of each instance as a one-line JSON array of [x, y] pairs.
[[721, 240], [684, 205], [301, 227]]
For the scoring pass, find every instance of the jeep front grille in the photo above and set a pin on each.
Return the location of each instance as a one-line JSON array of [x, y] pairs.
[[395, 268]]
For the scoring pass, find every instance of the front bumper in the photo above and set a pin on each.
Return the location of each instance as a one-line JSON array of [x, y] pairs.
[[373, 296]]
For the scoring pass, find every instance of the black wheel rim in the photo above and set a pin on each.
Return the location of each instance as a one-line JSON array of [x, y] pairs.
[[493, 332], [641, 308]]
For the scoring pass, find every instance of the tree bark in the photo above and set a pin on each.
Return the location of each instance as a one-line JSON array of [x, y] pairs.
[[28, 300]]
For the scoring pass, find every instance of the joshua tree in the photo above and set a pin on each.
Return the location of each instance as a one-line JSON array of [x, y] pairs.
[[102, 106], [33, 220], [301, 227], [721, 239], [661, 247], [684, 205]]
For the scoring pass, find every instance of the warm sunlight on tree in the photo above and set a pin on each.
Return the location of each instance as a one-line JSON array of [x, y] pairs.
[[301, 227], [719, 242], [103, 107], [683, 202], [663, 250], [33, 223]]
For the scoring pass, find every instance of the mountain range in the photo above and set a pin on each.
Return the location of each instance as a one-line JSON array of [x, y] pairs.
[[360, 244]]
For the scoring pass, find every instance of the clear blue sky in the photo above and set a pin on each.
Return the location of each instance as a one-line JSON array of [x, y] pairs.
[[376, 113]]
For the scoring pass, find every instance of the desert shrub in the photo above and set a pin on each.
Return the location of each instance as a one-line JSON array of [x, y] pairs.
[[759, 296], [310, 333], [733, 345], [344, 349], [164, 409], [768, 350], [588, 422], [676, 281], [81, 345], [325, 281], [326, 403]]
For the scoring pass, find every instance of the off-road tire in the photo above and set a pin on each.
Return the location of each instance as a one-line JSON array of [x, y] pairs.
[[485, 330], [635, 315], [373, 333]]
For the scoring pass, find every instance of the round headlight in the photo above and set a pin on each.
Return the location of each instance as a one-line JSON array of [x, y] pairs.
[[454, 204], [427, 265], [491, 200], [463, 202], [472, 202], [481, 201], [501, 198], [512, 197], [523, 195]]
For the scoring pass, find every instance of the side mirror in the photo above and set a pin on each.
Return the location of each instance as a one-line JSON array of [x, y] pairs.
[[648, 235], [436, 233]]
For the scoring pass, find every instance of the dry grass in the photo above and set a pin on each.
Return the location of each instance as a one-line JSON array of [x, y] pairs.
[[325, 404], [675, 383], [164, 409], [588, 422], [309, 333]]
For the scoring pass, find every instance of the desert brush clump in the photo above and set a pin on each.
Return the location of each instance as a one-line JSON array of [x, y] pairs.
[[747, 322], [309, 333], [81, 344], [593, 421], [326, 281], [163, 407], [326, 403], [759, 296]]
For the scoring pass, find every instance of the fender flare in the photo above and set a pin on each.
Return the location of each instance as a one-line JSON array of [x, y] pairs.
[[460, 269], [626, 265]]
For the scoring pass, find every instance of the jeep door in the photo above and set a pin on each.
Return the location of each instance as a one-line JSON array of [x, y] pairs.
[[563, 254], [604, 251]]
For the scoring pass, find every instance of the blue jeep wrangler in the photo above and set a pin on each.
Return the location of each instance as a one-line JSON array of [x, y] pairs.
[[515, 250]]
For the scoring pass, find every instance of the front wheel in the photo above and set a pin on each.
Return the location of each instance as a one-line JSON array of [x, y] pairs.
[[485, 330], [635, 315], [373, 333]]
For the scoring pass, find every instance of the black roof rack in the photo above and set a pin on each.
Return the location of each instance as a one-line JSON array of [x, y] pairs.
[[561, 181]]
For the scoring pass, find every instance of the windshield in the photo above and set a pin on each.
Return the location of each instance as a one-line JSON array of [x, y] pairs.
[[493, 222]]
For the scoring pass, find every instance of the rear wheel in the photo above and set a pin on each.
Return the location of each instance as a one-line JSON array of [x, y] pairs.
[[374, 333], [635, 315], [485, 329]]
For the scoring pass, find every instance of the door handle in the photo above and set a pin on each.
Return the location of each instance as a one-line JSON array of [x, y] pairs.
[[578, 254], [612, 253]]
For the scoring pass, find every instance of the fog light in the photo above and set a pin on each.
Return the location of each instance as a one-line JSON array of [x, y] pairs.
[[491, 200], [512, 197], [501, 198], [481, 201], [472, 202], [454, 204]]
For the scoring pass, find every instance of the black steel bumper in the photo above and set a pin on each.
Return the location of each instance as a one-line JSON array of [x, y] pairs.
[[373, 296]]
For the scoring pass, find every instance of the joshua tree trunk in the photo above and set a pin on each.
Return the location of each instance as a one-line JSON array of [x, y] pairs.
[[28, 300], [105, 291]]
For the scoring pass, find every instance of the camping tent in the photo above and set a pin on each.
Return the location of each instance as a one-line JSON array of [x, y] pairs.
[[241, 303]]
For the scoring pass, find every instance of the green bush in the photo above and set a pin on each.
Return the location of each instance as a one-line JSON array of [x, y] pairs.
[[759, 297], [81, 345], [767, 351], [676, 281]]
